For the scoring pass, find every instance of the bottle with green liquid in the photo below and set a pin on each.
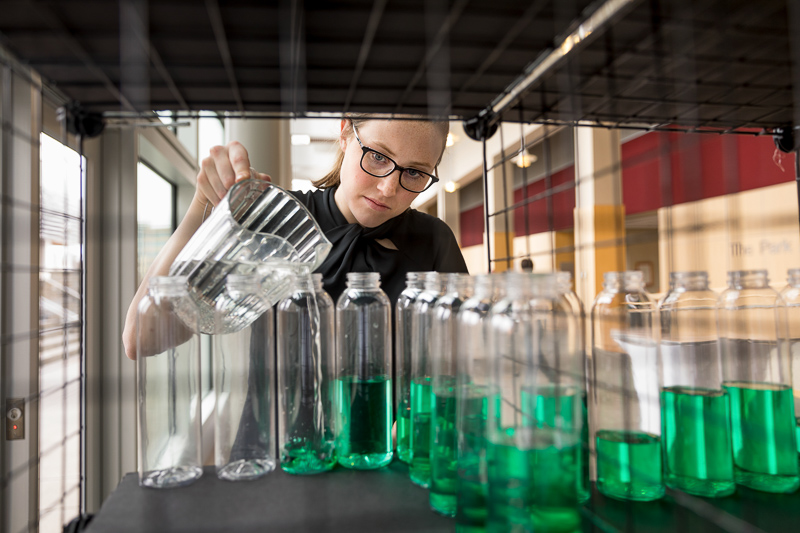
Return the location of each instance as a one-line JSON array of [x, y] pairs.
[[443, 414], [624, 406], [535, 416], [571, 299], [421, 379], [306, 363], [757, 375], [402, 373], [695, 408], [791, 296], [363, 388], [472, 386]]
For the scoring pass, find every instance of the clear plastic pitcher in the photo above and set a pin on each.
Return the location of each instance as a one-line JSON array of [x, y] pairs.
[[258, 227]]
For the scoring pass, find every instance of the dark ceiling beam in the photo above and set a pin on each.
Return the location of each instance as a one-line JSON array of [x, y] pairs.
[[155, 59], [505, 42], [222, 43], [72, 44], [369, 36], [433, 49]]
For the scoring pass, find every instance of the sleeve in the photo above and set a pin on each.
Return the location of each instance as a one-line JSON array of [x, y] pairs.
[[448, 256]]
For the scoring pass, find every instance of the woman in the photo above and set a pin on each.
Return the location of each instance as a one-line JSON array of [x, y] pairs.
[[363, 207]]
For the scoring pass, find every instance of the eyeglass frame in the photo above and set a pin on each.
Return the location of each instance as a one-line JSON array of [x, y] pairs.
[[366, 149]]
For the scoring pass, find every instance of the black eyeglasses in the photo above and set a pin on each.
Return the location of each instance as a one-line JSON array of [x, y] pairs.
[[381, 165]]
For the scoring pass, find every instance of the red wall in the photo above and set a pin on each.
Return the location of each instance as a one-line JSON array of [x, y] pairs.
[[658, 169], [661, 169]]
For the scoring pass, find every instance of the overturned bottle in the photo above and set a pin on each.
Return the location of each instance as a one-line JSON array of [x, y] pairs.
[[364, 366], [306, 374], [756, 371], [695, 409], [168, 382], [403, 341], [244, 436], [624, 406]]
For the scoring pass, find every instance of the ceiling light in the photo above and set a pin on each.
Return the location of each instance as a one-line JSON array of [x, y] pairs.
[[299, 139], [524, 160], [451, 186], [450, 140]]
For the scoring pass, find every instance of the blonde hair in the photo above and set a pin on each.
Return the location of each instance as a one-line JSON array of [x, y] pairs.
[[334, 177]]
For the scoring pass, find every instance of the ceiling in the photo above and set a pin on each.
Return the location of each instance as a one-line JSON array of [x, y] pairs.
[[714, 64]]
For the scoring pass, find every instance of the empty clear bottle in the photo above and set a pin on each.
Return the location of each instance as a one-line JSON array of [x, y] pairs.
[[535, 414], [306, 374], [695, 409], [421, 377], [402, 353], [756, 372], [244, 420], [624, 382], [472, 389], [168, 382], [791, 296], [364, 369], [447, 350]]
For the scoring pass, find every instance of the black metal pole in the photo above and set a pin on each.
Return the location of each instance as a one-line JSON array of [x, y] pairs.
[[486, 206]]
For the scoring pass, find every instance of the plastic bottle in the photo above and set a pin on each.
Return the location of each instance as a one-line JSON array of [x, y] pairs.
[[756, 373], [402, 353], [624, 407], [168, 383], [447, 350], [364, 366], [306, 374], [695, 409], [244, 419]]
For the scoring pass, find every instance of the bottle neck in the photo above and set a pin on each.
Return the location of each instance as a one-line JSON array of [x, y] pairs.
[[316, 280], [433, 282], [793, 277], [688, 281], [166, 286], [628, 281], [748, 279], [363, 280], [483, 286]]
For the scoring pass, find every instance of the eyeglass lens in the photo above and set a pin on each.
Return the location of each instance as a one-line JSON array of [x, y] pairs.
[[379, 165]]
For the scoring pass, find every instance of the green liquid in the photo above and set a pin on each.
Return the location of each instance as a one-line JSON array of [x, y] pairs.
[[629, 465], [533, 489], [421, 407], [698, 457], [443, 453], [364, 422], [471, 483], [561, 411], [797, 435], [404, 432], [763, 430], [303, 458]]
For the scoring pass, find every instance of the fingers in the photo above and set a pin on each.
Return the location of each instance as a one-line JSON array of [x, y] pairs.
[[224, 166], [239, 161]]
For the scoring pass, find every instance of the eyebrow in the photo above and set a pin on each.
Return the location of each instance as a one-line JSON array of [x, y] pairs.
[[415, 165]]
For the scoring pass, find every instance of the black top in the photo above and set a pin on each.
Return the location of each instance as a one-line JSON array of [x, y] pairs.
[[423, 242]]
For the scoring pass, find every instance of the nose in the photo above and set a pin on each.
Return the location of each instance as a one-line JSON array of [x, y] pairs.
[[388, 185]]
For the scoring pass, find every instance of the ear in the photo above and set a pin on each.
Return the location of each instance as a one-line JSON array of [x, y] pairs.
[[344, 133]]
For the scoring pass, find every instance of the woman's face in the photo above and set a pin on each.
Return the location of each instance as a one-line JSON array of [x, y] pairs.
[[371, 201]]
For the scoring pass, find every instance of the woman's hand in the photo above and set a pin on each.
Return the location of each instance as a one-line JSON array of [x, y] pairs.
[[224, 166], [219, 172]]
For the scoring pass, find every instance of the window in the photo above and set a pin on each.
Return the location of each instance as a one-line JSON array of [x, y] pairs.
[[156, 214], [60, 333]]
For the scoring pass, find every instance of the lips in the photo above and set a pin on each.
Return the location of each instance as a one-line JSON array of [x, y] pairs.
[[376, 204]]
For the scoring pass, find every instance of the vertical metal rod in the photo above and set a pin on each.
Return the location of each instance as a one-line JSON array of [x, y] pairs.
[[505, 200], [81, 340], [486, 205]]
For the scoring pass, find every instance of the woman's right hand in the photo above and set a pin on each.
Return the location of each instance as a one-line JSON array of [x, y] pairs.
[[218, 172], [224, 166]]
